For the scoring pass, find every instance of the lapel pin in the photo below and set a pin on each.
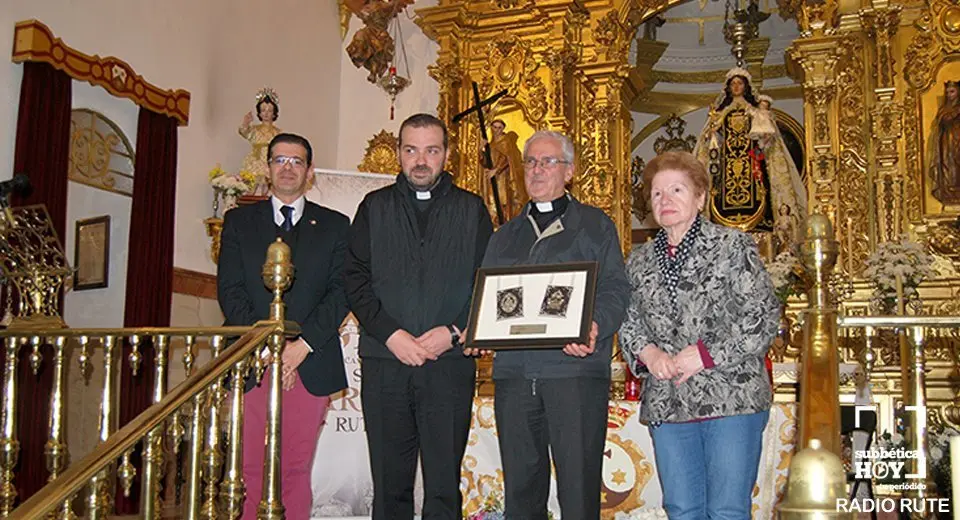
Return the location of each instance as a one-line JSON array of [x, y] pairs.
[[313, 222]]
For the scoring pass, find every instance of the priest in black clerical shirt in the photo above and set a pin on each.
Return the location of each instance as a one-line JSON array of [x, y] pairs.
[[554, 402], [414, 248]]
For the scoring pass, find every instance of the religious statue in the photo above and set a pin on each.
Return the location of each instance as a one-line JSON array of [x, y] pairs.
[[259, 135], [507, 169], [755, 182], [372, 46], [946, 146]]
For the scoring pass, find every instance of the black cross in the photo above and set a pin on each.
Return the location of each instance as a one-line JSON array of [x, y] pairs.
[[477, 107]]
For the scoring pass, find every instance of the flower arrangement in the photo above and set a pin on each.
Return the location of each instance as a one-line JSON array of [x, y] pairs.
[[493, 509], [228, 187], [785, 272], [906, 259]]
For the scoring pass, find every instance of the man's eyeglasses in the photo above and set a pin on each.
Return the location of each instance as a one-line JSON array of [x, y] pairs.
[[283, 160], [547, 163]]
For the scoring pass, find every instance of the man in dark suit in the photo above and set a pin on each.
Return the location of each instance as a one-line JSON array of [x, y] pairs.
[[312, 363]]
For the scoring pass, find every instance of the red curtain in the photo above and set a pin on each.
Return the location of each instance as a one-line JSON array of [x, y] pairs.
[[149, 265], [42, 152]]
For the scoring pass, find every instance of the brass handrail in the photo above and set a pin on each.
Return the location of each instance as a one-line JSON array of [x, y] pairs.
[[130, 331], [124, 439], [938, 322]]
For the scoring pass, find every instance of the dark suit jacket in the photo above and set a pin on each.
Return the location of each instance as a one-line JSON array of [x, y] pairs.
[[315, 299]]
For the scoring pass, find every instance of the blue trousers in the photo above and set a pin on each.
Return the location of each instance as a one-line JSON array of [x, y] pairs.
[[708, 469]]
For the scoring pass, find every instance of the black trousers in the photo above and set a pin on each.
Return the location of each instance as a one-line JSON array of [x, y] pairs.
[[568, 417], [417, 412]]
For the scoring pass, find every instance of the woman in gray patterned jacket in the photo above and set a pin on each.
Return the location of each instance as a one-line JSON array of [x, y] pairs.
[[702, 315]]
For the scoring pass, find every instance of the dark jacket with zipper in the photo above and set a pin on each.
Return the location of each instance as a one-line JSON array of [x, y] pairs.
[[404, 271], [583, 233]]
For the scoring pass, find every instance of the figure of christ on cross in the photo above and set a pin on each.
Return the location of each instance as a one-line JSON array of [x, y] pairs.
[[477, 107]]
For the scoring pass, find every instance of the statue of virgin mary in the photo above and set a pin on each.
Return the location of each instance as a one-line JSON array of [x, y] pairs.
[[754, 181]]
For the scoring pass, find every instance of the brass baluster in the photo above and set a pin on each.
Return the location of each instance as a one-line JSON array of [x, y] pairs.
[[9, 446], [126, 472], [915, 397], [135, 356], [99, 499], [35, 356], [212, 456], [233, 489], [153, 445], [176, 429], [188, 357], [869, 355], [192, 496], [271, 507], [84, 358], [55, 448]]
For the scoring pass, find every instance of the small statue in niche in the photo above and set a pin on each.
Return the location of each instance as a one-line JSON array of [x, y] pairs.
[[259, 136], [372, 46]]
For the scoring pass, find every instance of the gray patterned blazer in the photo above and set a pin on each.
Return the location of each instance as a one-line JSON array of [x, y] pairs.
[[724, 297]]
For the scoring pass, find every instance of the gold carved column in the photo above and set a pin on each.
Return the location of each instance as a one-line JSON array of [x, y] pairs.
[[880, 22], [565, 67], [829, 60]]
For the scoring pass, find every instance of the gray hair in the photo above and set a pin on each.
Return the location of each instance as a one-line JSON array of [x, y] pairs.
[[566, 146]]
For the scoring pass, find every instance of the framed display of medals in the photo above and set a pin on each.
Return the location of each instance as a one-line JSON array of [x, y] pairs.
[[532, 306]]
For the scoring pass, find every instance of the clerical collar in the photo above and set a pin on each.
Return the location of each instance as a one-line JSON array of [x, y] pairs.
[[557, 205], [426, 194]]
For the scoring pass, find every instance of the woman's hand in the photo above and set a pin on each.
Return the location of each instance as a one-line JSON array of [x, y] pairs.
[[688, 362], [660, 364]]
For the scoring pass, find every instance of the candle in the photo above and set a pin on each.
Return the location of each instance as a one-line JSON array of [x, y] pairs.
[[955, 471]]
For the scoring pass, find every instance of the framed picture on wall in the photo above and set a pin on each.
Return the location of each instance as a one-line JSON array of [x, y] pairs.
[[91, 253]]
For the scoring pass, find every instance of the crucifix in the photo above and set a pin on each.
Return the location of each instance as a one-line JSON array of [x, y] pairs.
[[477, 107]]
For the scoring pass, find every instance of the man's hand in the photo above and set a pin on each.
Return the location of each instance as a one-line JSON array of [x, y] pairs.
[[581, 350], [688, 362], [294, 352], [660, 364], [408, 350], [436, 340]]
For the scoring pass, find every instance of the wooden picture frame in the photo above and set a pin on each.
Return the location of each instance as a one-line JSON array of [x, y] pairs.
[[532, 306], [91, 253]]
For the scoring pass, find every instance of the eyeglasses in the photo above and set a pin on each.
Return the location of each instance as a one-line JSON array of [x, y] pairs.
[[547, 163], [283, 160]]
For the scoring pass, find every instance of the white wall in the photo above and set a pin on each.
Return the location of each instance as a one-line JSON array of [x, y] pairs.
[[222, 51], [100, 307], [365, 108]]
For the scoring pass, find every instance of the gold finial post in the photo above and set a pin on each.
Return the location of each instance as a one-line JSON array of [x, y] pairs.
[[9, 446], [820, 364], [277, 276]]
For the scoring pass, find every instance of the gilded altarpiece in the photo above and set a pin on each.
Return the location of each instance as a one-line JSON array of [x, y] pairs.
[[565, 67], [874, 77]]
